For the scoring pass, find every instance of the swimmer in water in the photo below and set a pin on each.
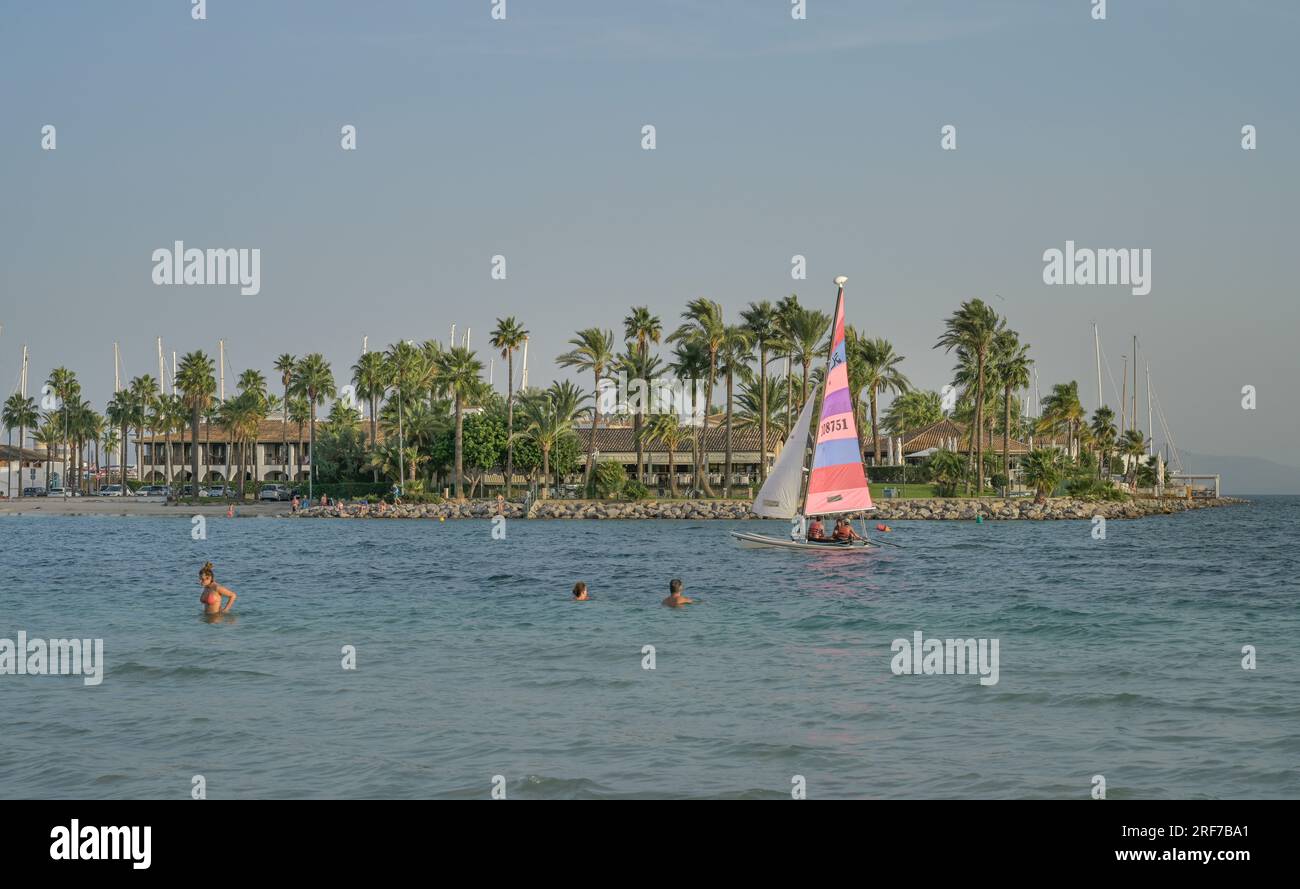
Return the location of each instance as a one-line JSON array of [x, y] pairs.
[[214, 592], [580, 592], [675, 598]]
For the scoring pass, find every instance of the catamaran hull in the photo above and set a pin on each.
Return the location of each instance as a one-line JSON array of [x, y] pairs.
[[747, 538]]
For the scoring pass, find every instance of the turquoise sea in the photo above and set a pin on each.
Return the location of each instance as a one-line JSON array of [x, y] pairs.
[[1119, 657]]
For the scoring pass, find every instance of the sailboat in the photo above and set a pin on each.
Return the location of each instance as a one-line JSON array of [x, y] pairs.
[[836, 482]]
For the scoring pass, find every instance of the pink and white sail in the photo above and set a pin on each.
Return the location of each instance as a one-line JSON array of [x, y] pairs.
[[837, 482]]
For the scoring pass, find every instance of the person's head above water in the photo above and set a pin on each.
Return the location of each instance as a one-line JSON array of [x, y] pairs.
[[675, 587], [579, 590], [205, 574]]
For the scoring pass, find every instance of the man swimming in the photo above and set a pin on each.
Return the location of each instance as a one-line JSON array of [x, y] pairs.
[[580, 591], [675, 598], [213, 593]]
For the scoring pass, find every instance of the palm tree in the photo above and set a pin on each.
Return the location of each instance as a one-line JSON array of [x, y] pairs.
[[1104, 434], [1010, 366], [1133, 445], [371, 377], [704, 328], [806, 329], [197, 384], [643, 328], [120, 411], [752, 404], [913, 410], [285, 365], [878, 364], [691, 362], [252, 384], [509, 336], [299, 413], [974, 327], [409, 370], [670, 431], [20, 413], [1062, 410], [760, 319], [315, 382], [548, 417], [946, 470], [109, 440], [144, 389], [593, 351], [786, 310], [734, 356], [50, 433], [159, 418], [458, 372], [64, 386], [1044, 469]]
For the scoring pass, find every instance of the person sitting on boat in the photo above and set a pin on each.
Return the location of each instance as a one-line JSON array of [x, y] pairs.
[[844, 532], [816, 531]]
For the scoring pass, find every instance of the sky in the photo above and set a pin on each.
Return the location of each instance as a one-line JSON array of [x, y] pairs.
[[774, 137]]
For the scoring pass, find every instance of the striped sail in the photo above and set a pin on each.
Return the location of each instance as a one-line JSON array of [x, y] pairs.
[[837, 482]]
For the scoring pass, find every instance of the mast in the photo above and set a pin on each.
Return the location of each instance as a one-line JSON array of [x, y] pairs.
[[173, 373], [452, 342], [221, 360], [117, 373], [1134, 415], [523, 379], [1123, 398], [365, 345], [23, 384], [1151, 430], [162, 370], [1096, 345]]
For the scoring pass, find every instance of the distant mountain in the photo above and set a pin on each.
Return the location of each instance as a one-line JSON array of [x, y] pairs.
[[1245, 475]]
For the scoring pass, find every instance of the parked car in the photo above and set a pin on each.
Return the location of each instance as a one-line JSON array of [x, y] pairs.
[[158, 491], [34, 492], [274, 492], [58, 491], [114, 491], [215, 491]]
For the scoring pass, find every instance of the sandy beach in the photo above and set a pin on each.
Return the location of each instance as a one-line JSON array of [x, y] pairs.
[[130, 506]]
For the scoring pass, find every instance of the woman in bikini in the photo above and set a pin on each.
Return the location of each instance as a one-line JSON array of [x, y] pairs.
[[213, 593]]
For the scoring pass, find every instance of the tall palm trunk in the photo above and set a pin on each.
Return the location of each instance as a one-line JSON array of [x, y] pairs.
[[460, 441], [789, 392], [194, 448], [591, 439], [702, 453], [978, 428], [510, 420], [762, 420], [726, 463], [374, 435], [875, 429], [672, 469], [1006, 443], [546, 472]]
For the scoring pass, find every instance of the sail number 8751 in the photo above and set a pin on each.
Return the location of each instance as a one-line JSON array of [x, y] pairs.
[[839, 425]]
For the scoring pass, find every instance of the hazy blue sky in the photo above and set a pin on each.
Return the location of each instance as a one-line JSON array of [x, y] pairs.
[[775, 137]]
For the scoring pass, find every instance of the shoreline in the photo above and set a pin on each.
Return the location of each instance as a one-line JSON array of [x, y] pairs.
[[920, 509]]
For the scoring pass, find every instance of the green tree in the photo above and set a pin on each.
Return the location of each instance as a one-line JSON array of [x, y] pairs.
[[458, 373], [974, 328], [594, 352], [197, 385], [509, 336]]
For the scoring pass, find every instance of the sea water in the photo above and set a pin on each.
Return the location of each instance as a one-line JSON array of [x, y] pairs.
[[1119, 657]]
